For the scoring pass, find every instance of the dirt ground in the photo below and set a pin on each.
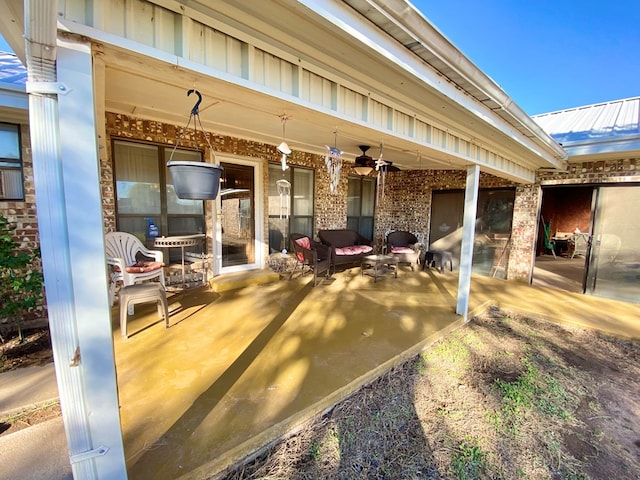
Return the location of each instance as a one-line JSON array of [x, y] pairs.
[[34, 351], [504, 397]]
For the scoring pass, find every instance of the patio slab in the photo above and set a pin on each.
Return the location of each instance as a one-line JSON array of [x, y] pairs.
[[238, 369]]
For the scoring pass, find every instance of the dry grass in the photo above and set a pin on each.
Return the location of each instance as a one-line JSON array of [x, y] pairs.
[[504, 397]]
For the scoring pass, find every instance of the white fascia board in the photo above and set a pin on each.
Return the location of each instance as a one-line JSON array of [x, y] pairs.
[[599, 147], [14, 96], [335, 13]]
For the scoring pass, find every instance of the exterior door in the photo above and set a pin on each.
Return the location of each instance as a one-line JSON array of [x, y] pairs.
[[614, 264], [237, 217]]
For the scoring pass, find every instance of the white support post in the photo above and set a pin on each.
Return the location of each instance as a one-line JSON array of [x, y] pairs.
[[468, 235], [68, 197]]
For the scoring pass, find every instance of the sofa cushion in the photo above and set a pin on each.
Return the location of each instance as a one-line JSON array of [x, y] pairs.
[[304, 242], [354, 250]]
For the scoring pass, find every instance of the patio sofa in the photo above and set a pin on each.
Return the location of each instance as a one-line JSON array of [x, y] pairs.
[[347, 246]]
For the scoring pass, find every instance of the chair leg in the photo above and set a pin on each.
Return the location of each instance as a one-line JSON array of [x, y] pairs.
[[163, 309]]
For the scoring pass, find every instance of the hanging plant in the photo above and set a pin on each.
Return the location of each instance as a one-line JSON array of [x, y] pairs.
[[195, 180]]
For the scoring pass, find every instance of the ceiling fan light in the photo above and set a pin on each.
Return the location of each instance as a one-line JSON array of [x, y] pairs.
[[363, 170], [284, 148]]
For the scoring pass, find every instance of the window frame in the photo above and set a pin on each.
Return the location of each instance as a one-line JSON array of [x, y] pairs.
[[13, 164], [293, 216], [162, 219], [358, 219]]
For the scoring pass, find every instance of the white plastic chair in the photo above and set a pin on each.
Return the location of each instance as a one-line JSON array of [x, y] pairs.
[[123, 254], [578, 244]]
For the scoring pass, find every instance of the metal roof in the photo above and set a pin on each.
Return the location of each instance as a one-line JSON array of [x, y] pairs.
[[11, 69], [596, 129]]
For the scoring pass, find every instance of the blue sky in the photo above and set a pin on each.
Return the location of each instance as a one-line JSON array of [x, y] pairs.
[[547, 55]]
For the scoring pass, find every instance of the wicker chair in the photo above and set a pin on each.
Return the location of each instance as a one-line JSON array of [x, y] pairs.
[[403, 245], [310, 254]]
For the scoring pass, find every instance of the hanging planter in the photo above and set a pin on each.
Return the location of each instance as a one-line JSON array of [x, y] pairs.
[[195, 180]]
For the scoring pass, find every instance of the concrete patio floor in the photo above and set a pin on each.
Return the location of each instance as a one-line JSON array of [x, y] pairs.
[[238, 369]]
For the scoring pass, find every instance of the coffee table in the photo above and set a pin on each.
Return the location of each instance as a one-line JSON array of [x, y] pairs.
[[379, 265]]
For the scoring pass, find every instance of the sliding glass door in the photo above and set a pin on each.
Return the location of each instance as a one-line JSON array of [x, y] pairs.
[[614, 265]]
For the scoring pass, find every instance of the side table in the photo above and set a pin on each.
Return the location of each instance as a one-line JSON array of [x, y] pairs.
[[379, 265], [282, 264]]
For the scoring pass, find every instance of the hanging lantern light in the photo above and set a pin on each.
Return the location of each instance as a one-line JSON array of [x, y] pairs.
[[283, 148], [333, 161]]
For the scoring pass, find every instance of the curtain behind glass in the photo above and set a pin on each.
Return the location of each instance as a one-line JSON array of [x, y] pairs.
[[137, 178]]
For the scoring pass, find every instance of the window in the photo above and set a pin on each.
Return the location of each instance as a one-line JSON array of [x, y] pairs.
[[290, 205], [144, 191], [361, 204], [11, 186]]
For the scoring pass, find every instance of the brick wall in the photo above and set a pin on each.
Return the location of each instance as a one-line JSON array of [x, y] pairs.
[[22, 214], [406, 204], [330, 209]]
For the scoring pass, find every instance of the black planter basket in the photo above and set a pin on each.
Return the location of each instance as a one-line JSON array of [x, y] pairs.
[[195, 180]]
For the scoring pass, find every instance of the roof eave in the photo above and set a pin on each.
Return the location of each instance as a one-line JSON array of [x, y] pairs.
[[476, 84]]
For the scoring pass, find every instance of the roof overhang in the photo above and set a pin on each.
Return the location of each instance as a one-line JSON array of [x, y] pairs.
[[426, 77], [14, 104], [589, 151]]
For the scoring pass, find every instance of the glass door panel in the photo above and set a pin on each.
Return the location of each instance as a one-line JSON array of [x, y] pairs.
[[614, 266], [237, 215]]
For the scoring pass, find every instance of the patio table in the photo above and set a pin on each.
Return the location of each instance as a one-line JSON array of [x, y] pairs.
[[379, 265], [180, 242]]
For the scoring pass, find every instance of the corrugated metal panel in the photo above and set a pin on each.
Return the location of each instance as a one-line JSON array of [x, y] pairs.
[[614, 120], [11, 69]]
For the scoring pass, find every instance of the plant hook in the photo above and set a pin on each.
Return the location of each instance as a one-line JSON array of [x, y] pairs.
[[194, 110]]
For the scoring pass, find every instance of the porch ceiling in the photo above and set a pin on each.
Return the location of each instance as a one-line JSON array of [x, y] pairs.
[[158, 91]]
